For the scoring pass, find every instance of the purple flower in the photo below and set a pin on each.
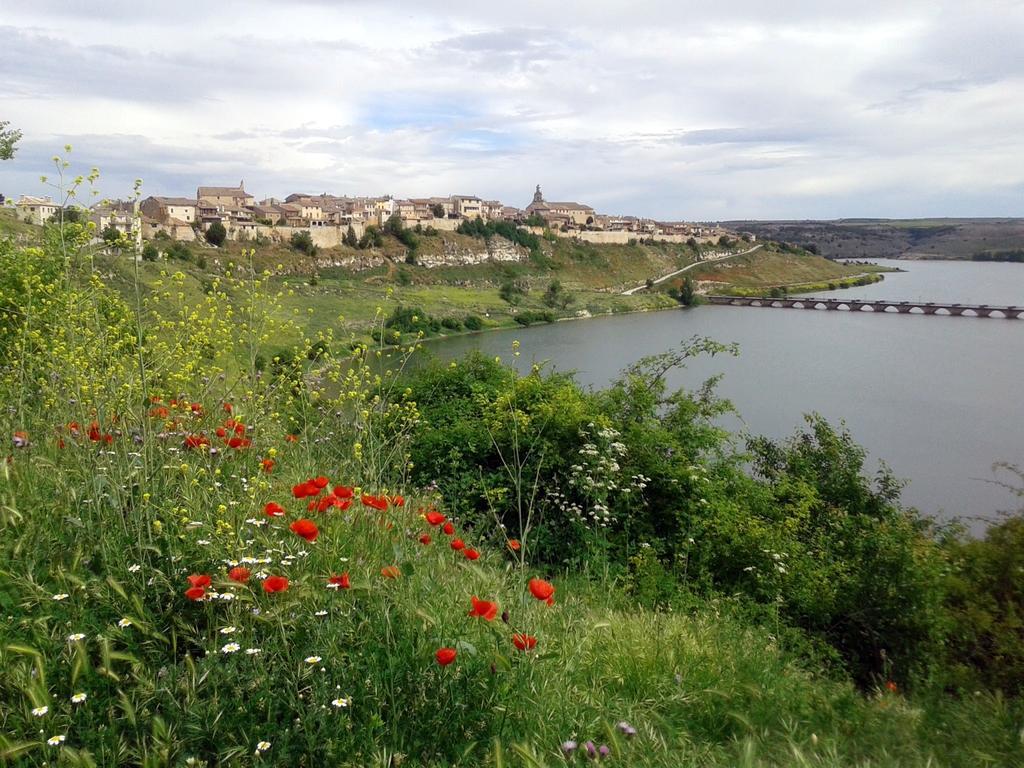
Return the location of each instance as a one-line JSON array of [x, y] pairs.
[[626, 728], [568, 747], [603, 750], [591, 749]]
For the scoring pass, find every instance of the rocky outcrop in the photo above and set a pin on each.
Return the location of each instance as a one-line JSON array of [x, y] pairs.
[[454, 254]]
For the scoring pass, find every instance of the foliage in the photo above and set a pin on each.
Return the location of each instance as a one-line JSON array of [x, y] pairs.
[[9, 138], [531, 317], [216, 234], [149, 430], [111, 235], [303, 243], [513, 290], [985, 601], [437, 210], [350, 237], [557, 297], [372, 238]]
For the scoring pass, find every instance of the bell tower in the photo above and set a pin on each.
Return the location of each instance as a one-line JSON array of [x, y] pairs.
[[537, 196]]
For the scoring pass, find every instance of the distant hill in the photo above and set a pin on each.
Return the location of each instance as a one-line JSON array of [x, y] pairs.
[[896, 238]]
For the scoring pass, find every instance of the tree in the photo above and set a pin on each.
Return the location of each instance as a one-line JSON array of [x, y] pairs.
[[216, 234], [303, 242], [9, 137], [350, 238], [149, 252], [535, 220], [111, 236], [73, 215], [556, 296], [687, 293], [438, 210], [513, 291]]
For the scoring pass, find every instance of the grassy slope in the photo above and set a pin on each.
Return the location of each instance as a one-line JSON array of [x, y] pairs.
[[702, 687], [768, 268]]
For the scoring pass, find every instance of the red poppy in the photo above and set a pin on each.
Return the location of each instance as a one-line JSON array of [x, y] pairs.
[[158, 412], [221, 432], [425, 538], [306, 529], [390, 572], [484, 609], [398, 501], [308, 488], [445, 656], [471, 554], [239, 428], [191, 441], [542, 590], [340, 582], [550, 601], [199, 580], [523, 641], [227, 408], [267, 465], [891, 686], [240, 574], [239, 442], [291, 438], [344, 491], [273, 509], [376, 502], [20, 439], [434, 517], [94, 432], [331, 501], [196, 407], [195, 593], [449, 529], [458, 544], [275, 584], [514, 545], [320, 482], [73, 427]]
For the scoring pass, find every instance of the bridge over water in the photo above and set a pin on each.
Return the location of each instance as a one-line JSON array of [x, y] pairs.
[[873, 305]]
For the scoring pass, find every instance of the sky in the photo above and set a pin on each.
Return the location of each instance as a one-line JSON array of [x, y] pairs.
[[675, 110]]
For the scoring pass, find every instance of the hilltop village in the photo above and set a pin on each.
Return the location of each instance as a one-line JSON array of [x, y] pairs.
[[331, 219]]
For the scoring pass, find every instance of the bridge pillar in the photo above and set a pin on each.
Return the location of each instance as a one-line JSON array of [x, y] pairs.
[[904, 308], [929, 310], [983, 311], [956, 311], [1012, 313]]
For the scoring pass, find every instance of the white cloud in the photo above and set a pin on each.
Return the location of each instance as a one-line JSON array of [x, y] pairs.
[[671, 109]]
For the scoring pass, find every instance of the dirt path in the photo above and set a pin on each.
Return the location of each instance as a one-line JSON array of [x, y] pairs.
[[670, 275]]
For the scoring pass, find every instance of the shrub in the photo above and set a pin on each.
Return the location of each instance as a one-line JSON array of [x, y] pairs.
[[216, 234], [473, 322], [303, 243]]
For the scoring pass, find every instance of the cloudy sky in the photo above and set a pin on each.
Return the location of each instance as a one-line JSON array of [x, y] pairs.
[[667, 108]]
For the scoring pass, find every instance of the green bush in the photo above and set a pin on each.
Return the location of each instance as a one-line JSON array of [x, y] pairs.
[[216, 234], [303, 243], [473, 322], [534, 317]]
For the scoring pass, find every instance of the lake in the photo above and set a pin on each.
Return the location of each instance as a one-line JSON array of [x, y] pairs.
[[937, 398]]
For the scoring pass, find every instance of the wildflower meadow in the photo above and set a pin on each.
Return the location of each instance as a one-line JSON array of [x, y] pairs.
[[225, 540]]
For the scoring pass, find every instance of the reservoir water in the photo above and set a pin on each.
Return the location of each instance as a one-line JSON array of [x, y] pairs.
[[938, 398]]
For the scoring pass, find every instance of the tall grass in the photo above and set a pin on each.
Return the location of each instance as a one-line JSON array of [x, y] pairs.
[[146, 445]]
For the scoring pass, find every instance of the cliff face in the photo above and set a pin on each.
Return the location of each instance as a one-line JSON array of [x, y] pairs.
[[455, 254]]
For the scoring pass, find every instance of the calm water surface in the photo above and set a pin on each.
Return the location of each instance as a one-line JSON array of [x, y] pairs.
[[937, 398]]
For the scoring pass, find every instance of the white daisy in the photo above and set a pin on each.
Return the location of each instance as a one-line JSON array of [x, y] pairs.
[[61, 596], [230, 648], [78, 698], [40, 711], [125, 622], [341, 703], [263, 746], [56, 741], [228, 630], [73, 638], [320, 613], [134, 568], [253, 651], [312, 659]]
